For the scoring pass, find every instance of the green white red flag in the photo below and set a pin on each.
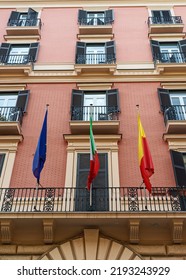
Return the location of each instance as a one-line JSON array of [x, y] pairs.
[[94, 159]]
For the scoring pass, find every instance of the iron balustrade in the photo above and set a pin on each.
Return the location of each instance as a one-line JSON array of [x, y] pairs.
[[175, 112], [98, 58], [11, 114], [16, 59], [165, 20], [98, 113], [24, 22], [170, 57], [127, 199], [103, 20]]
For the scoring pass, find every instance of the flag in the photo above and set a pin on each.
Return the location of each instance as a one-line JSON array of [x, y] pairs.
[[94, 159], [145, 159], [40, 154]]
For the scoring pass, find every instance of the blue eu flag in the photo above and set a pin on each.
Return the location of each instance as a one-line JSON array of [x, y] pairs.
[[40, 154]]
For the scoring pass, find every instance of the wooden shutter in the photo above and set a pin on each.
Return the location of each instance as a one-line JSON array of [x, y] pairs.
[[4, 50], [22, 99], [99, 186], [182, 45], [109, 16], [2, 158], [82, 17], [77, 105], [80, 52], [112, 101], [155, 47], [32, 17], [110, 52], [13, 20], [179, 168], [33, 52], [164, 98]]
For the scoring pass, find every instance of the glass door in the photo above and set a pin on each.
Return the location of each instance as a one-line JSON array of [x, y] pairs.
[[95, 18], [95, 54], [18, 55], [95, 105], [171, 53], [7, 104], [179, 103]]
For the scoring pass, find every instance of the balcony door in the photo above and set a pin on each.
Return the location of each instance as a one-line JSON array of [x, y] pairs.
[[7, 104], [100, 196], [18, 55], [179, 101], [95, 54], [94, 104], [163, 16], [171, 53]]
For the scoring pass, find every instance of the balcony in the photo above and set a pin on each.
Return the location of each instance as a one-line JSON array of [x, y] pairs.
[[10, 120], [175, 119], [24, 27], [170, 61], [16, 64], [105, 119], [95, 25], [172, 24], [102, 62], [112, 199]]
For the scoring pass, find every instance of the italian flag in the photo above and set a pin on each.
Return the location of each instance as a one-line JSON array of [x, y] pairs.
[[94, 159], [144, 156]]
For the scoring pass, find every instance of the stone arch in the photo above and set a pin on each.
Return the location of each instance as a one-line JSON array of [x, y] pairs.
[[91, 246]]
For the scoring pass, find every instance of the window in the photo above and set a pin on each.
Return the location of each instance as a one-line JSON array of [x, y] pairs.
[[163, 16], [173, 104], [102, 105], [99, 197], [12, 105], [18, 53], [95, 18], [29, 18], [90, 53], [179, 165], [170, 52], [2, 157]]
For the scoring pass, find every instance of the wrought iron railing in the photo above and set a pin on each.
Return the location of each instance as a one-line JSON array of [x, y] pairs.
[[165, 20], [16, 59], [11, 114], [24, 22], [101, 58], [98, 113], [175, 112], [104, 20], [170, 57], [113, 199]]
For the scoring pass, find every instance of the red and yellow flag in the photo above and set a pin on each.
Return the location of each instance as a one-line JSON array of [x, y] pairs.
[[145, 159]]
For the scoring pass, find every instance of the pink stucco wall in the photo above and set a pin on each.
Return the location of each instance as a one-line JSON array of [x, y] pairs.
[[180, 11], [4, 17], [144, 94], [59, 98], [131, 34]]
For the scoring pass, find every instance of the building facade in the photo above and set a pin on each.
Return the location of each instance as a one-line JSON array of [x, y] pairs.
[[101, 58]]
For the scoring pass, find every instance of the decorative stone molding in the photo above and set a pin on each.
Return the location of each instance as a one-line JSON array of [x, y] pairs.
[[48, 225], [177, 231], [6, 232], [134, 231]]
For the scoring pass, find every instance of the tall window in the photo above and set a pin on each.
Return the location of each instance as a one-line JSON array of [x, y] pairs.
[[163, 16], [95, 17], [2, 158], [29, 18]]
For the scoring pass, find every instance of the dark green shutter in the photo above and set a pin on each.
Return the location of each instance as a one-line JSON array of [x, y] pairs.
[[33, 52], [77, 105], [32, 17], [109, 16], [80, 53], [2, 158], [112, 101], [182, 45], [99, 186], [155, 47], [13, 20], [82, 17], [110, 52], [164, 98], [179, 168], [22, 99], [4, 51]]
